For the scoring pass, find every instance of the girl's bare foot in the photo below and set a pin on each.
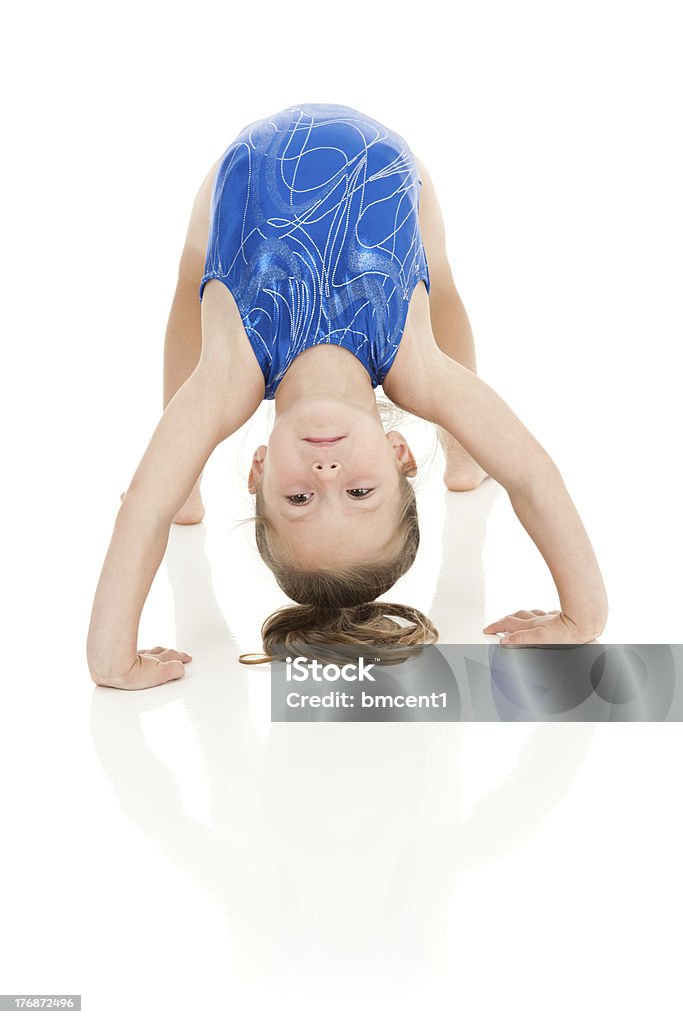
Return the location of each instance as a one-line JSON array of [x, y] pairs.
[[192, 511], [462, 473]]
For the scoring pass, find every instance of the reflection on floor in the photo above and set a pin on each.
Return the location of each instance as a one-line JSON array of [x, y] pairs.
[[173, 855], [335, 853]]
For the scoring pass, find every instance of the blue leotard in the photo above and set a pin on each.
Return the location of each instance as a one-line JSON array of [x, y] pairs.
[[314, 230]]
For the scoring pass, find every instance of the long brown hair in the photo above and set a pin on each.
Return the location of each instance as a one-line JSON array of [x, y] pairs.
[[337, 606]]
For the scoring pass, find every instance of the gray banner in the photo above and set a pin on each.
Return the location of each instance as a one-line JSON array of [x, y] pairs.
[[481, 683], [22, 1002]]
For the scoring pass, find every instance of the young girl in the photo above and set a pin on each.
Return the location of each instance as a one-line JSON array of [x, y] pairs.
[[314, 270]]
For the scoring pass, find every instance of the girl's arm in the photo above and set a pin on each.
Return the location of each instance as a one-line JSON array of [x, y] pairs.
[[464, 405], [218, 397]]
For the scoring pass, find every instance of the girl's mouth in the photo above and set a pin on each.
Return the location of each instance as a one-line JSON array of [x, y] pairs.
[[324, 441]]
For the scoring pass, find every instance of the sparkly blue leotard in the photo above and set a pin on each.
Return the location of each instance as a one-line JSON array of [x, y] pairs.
[[314, 230]]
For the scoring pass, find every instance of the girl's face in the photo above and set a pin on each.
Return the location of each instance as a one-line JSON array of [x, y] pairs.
[[329, 479]]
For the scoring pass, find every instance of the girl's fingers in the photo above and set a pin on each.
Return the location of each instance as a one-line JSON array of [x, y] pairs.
[[170, 655], [167, 653], [509, 622], [165, 671], [514, 621], [526, 636]]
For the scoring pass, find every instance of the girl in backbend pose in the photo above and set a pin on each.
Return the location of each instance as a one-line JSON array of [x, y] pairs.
[[314, 270]]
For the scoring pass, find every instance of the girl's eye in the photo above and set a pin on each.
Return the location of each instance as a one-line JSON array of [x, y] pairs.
[[355, 492]]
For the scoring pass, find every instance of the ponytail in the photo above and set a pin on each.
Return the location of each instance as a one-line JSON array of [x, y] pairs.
[[299, 630]]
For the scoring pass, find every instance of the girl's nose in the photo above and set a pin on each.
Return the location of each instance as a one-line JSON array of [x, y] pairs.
[[324, 467]]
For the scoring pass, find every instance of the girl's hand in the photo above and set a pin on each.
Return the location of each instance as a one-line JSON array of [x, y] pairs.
[[538, 628], [150, 667]]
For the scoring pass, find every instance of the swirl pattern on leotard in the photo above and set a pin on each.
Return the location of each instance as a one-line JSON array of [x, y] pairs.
[[314, 229]]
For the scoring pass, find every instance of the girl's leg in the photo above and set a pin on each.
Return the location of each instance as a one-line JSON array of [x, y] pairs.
[[450, 323], [450, 326], [453, 333]]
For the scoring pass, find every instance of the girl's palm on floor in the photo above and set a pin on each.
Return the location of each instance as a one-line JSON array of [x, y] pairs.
[[538, 628]]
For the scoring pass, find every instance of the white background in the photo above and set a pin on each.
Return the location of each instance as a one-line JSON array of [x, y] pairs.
[[170, 855]]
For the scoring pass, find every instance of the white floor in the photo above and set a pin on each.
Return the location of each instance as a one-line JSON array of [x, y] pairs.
[[171, 855]]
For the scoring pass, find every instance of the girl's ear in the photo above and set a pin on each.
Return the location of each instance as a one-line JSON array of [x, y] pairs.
[[403, 453], [256, 471]]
